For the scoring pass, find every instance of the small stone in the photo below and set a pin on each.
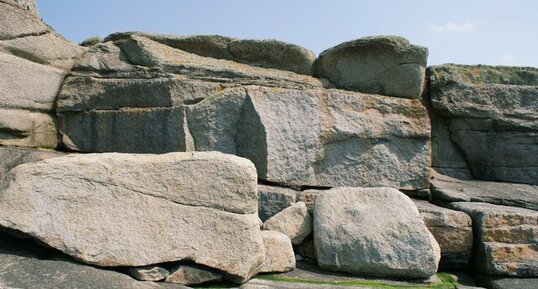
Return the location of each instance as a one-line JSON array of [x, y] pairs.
[[149, 273], [295, 222], [192, 275], [279, 256]]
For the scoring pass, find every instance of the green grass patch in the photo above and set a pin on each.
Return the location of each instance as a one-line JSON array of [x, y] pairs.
[[447, 282]]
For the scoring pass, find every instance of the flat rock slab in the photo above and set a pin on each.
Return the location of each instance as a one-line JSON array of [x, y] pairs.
[[506, 283], [360, 230], [387, 65], [447, 189], [452, 230], [18, 22], [506, 239], [137, 130], [24, 267], [85, 206]]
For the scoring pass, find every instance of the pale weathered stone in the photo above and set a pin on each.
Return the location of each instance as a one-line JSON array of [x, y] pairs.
[[272, 200], [148, 273], [309, 198], [332, 138], [447, 189], [192, 275], [49, 49], [27, 85], [17, 22], [452, 230], [135, 130], [137, 210], [294, 222], [279, 256], [506, 239], [273, 54], [361, 230], [28, 5], [213, 122], [11, 157], [387, 65], [104, 57], [27, 129]]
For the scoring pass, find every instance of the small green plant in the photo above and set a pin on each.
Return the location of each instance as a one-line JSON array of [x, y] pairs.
[[91, 41]]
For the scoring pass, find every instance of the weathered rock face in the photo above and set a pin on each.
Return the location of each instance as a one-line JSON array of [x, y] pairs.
[[446, 190], [272, 200], [12, 157], [149, 273], [263, 53], [137, 130], [506, 239], [387, 65], [294, 221], [452, 230], [279, 256], [492, 116], [333, 138], [361, 231], [30, 50], [184, 207]]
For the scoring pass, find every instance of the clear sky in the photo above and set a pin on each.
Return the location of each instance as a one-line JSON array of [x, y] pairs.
[[469, 32]]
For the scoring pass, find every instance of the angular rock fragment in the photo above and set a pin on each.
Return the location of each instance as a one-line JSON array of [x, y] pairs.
[[294, 222], [165, 212], [361, 230], [279, 256], [387, 65], [452, 230], [506, 239], [446, 189], [192, 275], [149, 273], [272, 200]]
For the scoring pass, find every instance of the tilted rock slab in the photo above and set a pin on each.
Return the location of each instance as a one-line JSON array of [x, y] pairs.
[[272, 200], [452, 230], [387, 65], [493, 114], [137, 210], [373, 231], [446, 190], [506, 239]]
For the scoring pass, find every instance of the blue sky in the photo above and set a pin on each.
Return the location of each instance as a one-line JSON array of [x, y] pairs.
[[469, 32]]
